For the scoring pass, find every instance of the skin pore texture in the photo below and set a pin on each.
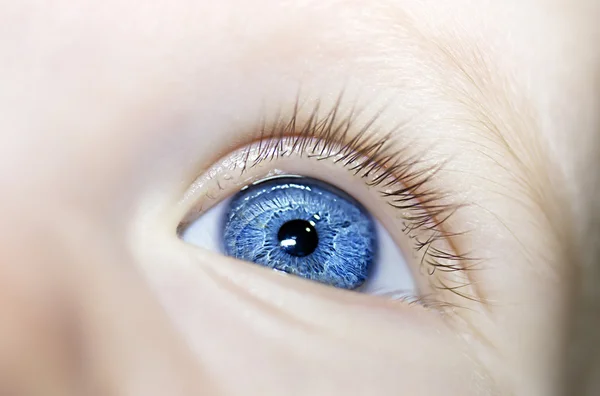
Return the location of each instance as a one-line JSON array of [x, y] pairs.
[[112, 111]]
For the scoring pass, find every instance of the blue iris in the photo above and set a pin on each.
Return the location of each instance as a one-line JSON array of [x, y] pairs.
[[304, 227]]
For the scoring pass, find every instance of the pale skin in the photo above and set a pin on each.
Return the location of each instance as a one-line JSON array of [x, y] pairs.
[[111, 110]]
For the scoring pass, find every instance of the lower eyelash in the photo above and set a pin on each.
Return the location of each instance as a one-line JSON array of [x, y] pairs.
[[402, 181]]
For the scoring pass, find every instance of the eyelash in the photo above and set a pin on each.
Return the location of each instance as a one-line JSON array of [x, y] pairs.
[[407, 182], [401, 180]]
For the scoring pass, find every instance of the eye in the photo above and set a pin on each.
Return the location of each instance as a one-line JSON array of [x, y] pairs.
[[331, 198], [308, 228]]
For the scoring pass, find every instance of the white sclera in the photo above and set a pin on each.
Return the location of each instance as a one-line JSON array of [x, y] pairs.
[[205, 231], [389, 276]]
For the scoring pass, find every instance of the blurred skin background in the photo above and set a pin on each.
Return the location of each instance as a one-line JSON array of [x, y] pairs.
[[112, 114]]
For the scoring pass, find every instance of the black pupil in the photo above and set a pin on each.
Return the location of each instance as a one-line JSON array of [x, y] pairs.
[[298, 238]]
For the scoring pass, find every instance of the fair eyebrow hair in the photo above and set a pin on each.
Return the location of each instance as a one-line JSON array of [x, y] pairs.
[[495, 107], [510, 123], [503, 116]]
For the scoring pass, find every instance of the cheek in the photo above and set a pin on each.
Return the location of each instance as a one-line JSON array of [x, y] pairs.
[[37, 336], [256, 329]]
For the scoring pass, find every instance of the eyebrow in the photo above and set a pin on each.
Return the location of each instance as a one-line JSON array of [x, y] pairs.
[[497, 109], [470, 76], [509, 121], [494, 108]]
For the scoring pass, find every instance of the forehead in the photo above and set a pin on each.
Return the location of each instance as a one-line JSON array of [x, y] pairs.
[[223, 58]]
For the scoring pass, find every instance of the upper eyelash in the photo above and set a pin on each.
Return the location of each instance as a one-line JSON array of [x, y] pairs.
[[371, 155]]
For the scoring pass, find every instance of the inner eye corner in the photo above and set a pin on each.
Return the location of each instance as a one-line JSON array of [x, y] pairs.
[[181, 227]]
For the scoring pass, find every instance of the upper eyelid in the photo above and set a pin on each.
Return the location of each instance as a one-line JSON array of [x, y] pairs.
[[355, 132], [353, 135]]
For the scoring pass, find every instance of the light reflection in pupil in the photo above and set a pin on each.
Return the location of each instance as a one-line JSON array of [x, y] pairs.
[[298, 238]]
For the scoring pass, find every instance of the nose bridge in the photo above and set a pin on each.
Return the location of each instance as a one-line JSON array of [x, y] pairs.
[[50, 237], [69, 292], [38, 240], [34, 319], [43, 199]]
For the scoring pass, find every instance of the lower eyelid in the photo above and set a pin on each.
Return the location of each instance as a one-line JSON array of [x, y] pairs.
[[286, 291]]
